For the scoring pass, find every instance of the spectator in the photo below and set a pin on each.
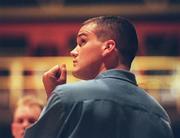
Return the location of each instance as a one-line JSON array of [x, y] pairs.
[[26, 113]]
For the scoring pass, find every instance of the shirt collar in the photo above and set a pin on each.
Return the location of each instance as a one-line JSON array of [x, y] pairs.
[[118, 74]]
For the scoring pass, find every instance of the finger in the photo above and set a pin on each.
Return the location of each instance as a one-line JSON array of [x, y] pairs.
[[54, 70], [63, 75]]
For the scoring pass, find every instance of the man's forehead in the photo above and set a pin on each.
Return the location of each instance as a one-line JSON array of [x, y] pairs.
[[87, 28]]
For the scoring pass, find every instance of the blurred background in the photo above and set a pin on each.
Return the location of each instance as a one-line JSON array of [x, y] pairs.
[[38, 34]]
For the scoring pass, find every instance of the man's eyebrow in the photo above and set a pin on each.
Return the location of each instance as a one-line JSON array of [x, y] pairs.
[[82, 34]]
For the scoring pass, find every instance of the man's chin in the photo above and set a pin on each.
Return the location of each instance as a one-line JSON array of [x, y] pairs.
[[76, 74], [79, 75]]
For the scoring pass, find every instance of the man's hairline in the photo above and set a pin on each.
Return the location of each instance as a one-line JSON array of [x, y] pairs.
[[96, 30]]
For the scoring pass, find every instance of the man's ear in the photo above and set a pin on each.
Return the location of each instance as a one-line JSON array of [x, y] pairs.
[[109, 47]]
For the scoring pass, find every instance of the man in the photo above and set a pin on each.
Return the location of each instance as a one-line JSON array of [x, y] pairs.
[[26, 113], [109, 104]]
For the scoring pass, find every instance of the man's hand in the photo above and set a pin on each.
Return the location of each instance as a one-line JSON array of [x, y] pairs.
[[55, 76]]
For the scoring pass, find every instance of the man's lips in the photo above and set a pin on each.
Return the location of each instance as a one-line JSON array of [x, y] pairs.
[[74, 62]]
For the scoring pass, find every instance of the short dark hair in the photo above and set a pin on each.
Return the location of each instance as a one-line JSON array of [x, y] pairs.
[[121, 30]]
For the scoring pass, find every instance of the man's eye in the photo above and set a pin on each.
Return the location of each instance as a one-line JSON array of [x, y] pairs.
[[82, 42], [20, 121], [32, 120]]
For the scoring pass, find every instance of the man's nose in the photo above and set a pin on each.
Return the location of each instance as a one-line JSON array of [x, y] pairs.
[[26, 124], [74, 52]]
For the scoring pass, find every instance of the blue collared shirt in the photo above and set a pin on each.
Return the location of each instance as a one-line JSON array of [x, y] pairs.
[[109, 106]]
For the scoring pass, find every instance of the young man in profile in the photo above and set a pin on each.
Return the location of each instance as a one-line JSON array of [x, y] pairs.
[[109, 104]]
